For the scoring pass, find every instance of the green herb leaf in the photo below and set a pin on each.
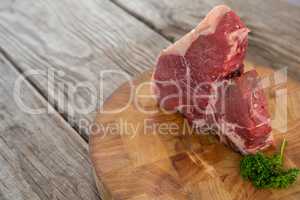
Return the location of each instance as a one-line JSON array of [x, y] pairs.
[[267, 171]]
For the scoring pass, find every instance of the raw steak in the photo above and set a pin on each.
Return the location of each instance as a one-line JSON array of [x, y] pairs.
[[202, 76], [241, 114]]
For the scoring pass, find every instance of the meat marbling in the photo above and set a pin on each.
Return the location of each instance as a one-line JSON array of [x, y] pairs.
[[202, 76]]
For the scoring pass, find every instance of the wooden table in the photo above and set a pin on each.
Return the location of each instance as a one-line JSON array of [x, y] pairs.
[[45, 156]]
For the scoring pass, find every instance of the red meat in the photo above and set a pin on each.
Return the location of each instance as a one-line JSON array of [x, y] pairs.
[[202, 76]]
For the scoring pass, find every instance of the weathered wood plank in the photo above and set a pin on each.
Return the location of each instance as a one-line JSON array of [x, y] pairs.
[[41, 156], [275, 25], [81, 39]]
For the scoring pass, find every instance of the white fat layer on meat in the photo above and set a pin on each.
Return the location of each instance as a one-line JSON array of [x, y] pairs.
[[234, 39], [266, 144], [227, 129], [206, 27]]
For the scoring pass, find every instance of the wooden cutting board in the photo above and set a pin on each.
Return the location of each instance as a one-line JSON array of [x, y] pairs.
[[154, 155]]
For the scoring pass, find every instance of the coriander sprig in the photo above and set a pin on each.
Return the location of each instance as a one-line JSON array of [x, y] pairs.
[[267, 171]]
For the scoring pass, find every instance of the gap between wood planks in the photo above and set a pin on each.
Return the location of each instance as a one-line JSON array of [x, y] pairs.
[[62, 115], [143, 20]]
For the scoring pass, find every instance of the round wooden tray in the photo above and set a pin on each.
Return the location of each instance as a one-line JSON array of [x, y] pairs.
[[153, 155]]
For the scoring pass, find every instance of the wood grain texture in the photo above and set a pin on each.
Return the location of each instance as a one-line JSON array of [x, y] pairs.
[[41, 156], [275, 24], [77, 40], [139, 155]]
